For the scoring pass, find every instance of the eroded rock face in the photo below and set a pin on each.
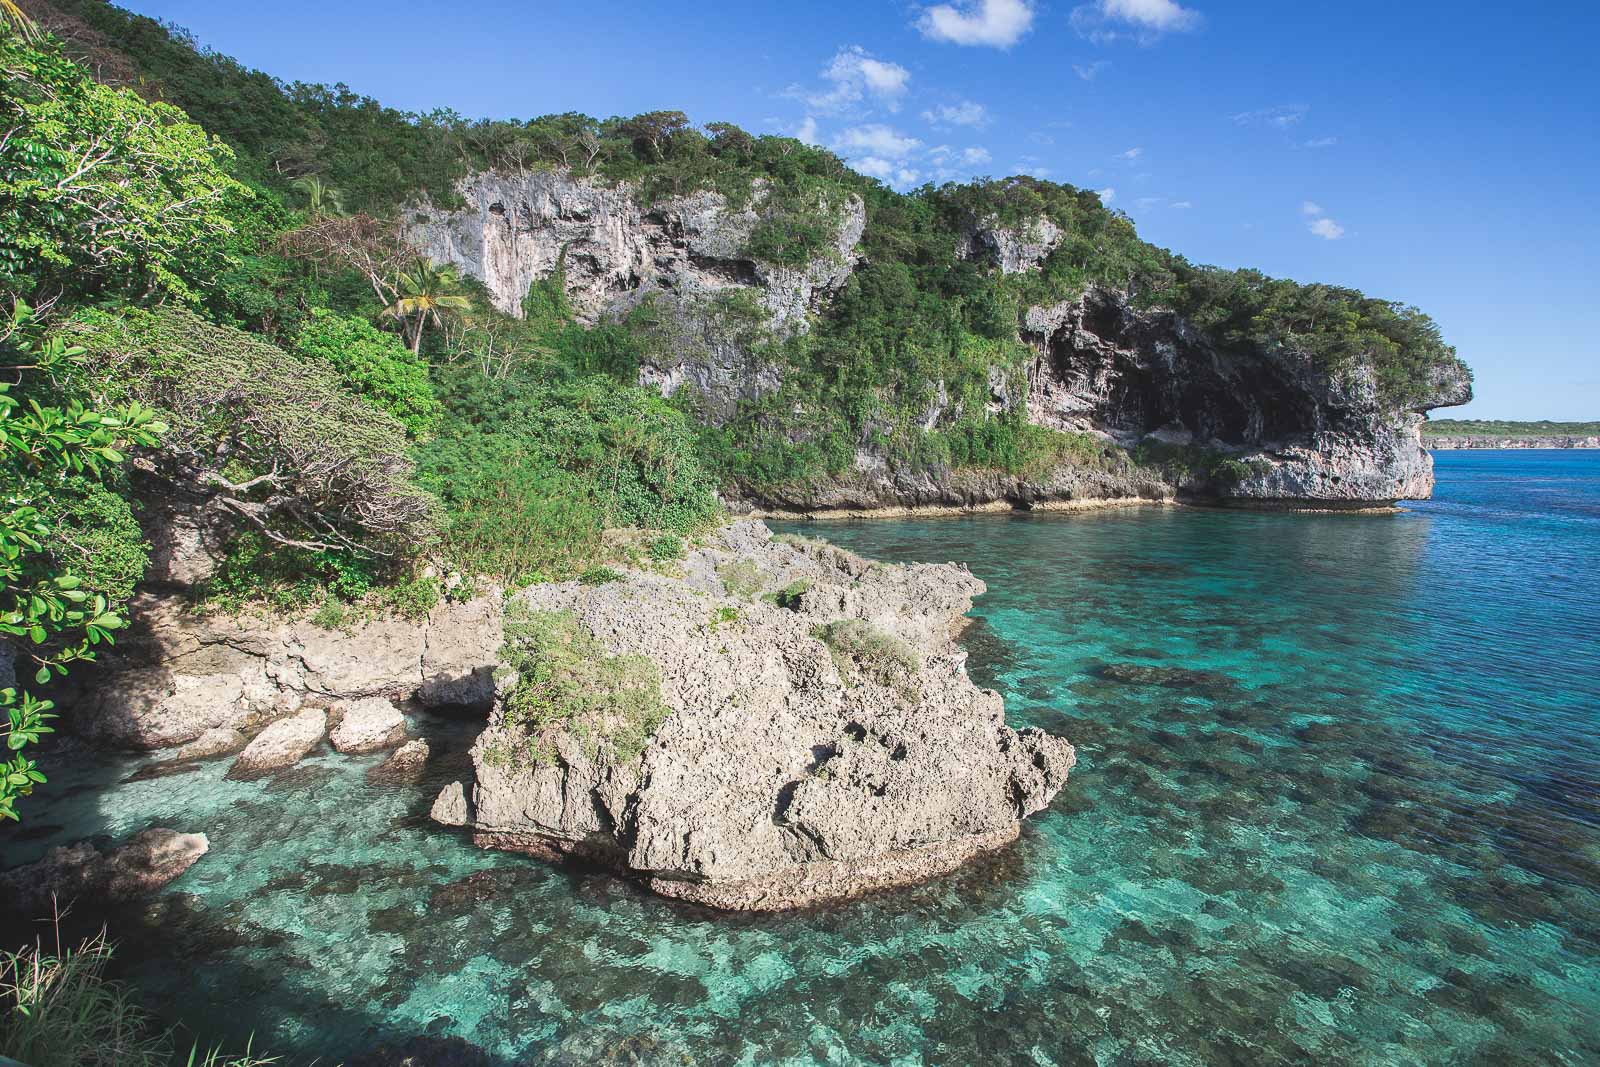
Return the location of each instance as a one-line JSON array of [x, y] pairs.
[[176, 675], [147, 862], [788, 771], [1300, 435], [688, 256]]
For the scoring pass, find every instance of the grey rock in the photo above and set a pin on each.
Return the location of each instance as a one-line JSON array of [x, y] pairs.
[[217, 741], [1014, 249], [784, 775], [405, 763], [147, 862], [370, 724], [450, 806], [283, 744], [175, 675]]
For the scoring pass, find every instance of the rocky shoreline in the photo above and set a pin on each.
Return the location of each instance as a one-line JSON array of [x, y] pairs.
[[768, 723], [1449, 442]]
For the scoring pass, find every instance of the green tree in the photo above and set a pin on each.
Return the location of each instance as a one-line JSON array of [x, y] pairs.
[[374, 364], [322, 199], [51, 461], [428, 292], [100, 189]]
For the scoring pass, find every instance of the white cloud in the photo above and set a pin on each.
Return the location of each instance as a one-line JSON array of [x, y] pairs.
[[1090, 71], [965, 113], [1158, 15], [1311, 207], [1146, 20], [1283, 116], [1106, 195], [996, 23], [1320, 142], [806, 133], [876, 139], [856, 74], [1181, 205], [1145, 203], [886, 170], [1131, 154], [975, 157], [1327, 229]]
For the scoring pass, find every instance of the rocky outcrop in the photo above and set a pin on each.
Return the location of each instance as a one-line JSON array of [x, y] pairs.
[[405, 763], [687, 257], [1295, 433], [517, 228], [283, 744], [370, 724], [147, 862], [1013, 249], [821, 736], [217, 741], [175, 674]]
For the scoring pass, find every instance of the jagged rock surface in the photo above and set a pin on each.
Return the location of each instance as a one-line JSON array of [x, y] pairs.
[[147, 862], [783, 776], [176, 675], [686, 255], [1305, 436], [405, 763], [370, 724]]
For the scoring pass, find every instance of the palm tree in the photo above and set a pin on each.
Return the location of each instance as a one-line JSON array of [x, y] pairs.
[[322, 199], [425, 295], [13, 17]]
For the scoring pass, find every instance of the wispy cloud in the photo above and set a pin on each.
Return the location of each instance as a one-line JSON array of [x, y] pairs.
[[806, 132], [1282, 116], [1090, 71], [887, 170], [854, 74], [1320, 142], [878, 140], [1106, 195], [1131, 154], [993, 23], [966, 113], [1181, 205], [974, 157], [1105, 21], [1310, 207], [1327, 229]]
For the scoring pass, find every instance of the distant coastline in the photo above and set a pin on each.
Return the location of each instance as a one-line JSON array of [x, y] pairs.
[[1486, 433]]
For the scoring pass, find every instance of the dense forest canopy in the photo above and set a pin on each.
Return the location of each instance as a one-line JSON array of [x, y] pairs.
[[205, 266], [1508, 428]]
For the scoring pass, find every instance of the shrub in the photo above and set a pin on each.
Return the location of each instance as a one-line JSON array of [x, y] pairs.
[[279, 440], [791, 596], [666, 547], [372, 364], [742, 578], [860, 646], [568, 682], [599, 576]]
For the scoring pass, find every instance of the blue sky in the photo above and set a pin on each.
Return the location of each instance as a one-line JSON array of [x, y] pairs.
[[1444, 155]]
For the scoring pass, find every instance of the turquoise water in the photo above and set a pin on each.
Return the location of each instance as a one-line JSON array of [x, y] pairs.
[[1338, 799]]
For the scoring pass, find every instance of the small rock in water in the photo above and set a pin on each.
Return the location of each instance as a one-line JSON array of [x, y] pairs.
[[146, 863], [450, 807], [282, 744], [1166, 677], [217, 741], [368, 725], [405, 763]]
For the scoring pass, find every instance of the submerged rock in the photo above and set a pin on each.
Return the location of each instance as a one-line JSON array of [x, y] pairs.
[[818, 736], [405, 763], [368, 725], [283, 744], [147, 862]]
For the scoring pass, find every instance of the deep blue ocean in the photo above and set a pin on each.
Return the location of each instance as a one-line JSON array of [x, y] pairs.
[[1338, 800]]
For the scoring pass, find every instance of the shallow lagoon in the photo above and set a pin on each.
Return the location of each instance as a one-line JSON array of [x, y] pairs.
[[1348, 809]]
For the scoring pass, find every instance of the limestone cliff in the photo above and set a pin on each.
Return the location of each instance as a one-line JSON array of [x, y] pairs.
[[1289, 431]]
